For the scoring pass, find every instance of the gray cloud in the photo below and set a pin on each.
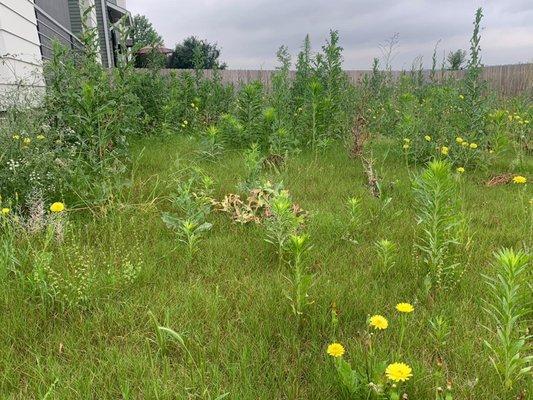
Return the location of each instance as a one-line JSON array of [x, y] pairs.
[[250, 31]]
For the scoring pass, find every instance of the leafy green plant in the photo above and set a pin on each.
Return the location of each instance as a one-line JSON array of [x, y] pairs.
[[192, 202], [441, 225], [508, 306], [253, 165], [282, 223], [473, 85], [8, 256], [440, 332], [212, 143], [301, 281], [190, 232], [386, 252]]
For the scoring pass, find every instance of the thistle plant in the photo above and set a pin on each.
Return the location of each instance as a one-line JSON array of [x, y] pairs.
[[282, 223], [301, 280], [386, 252], [441, 225], [508, 305]]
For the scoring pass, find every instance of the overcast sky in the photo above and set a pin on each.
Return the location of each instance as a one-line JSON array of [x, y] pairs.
[[250, 31]]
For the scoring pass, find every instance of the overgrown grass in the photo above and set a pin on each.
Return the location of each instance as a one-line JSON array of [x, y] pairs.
[[228, 303]]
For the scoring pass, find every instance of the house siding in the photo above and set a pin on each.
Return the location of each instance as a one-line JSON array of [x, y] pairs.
[[75, 17], [21, 73], [54, 24]]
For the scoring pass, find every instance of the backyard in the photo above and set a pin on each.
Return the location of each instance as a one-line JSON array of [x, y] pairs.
[[173, 237]]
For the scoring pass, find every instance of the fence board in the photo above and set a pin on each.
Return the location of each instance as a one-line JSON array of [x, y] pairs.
[[508, 80]]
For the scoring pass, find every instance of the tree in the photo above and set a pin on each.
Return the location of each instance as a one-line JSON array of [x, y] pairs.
[[144, 33], [195, 53], [456, 59]]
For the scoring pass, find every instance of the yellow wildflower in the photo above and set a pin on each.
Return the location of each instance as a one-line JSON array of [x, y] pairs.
[[473, 145], [40, 137], [57, 207], [407, 140], [406, 146], [444, 150], [16, 137], [428, 138], [378, 322], [26, 141], [519, 179], [5, 211], [464, 144], [404, 307], [335, 350], [459, 139], [460, 170], [398, 372], [461, 96]]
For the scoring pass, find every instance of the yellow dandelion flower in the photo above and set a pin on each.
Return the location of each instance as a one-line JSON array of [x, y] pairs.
[[444, 150], [16, 137], [5, 211], [473, 145], [405, 307], [519, 179], [464, 144], [398, 372], [406, 146], [407, 140], [460, 170], [335, 350], [378, 322], [461, 97], [26, 140], [40, 137], [459, 140], [428, 138], [57, 207]]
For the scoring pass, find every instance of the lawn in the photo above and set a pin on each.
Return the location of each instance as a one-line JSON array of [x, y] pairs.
[[124, 273]]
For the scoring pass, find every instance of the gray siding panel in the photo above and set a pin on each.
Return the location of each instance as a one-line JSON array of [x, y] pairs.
[[54, 24], [75, 17], [57, 9]]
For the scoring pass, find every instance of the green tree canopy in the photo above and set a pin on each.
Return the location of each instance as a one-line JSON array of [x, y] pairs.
[[144, 33], [195, 53], [456, 59]]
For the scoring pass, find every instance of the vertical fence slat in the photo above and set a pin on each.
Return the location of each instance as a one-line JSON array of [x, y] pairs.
[[508, 80]]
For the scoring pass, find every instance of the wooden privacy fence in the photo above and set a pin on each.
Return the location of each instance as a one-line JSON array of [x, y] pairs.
[[508, 80]]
